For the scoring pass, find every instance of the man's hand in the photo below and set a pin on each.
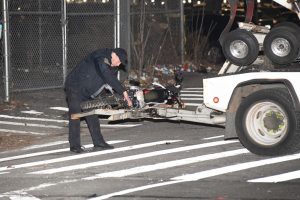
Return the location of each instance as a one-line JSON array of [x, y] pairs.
[[126, 98]]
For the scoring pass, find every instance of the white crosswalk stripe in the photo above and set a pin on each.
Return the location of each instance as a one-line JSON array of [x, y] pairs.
[[44, 126], [235, 168], [46, 153], [204, 174], [165, 165], [148, 150], [130, 158], [192, 97], [80, 156], [278, 178]]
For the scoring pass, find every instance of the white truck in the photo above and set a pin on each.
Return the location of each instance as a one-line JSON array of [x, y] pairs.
[[256, 102]]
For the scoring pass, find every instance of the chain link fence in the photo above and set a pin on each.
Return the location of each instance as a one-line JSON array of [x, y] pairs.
[[48, 38]]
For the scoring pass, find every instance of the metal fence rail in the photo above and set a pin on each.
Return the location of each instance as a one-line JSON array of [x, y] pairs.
[[47, 38]]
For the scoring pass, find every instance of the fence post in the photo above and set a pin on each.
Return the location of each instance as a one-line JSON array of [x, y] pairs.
[[117, 27], [117, 23], [182, 36], [6, 54], [64, 38], [124, 37]]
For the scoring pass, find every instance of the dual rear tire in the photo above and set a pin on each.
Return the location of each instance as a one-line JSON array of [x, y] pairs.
[[240, 47], [281, 45]]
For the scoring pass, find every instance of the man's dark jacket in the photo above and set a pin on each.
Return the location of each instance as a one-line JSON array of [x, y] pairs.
[[92, 73]]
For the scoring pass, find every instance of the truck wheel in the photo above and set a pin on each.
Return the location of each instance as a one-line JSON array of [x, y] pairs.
[[213, 53], [266, 123], [106, 102], [240, 47], [289, 25], [282, 44]]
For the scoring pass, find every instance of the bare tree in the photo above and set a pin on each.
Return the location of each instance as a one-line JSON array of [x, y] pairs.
[[198, 40], [140, 43], [150, 38]]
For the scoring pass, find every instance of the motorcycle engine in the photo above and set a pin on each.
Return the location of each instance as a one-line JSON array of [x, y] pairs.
[[137, 97]]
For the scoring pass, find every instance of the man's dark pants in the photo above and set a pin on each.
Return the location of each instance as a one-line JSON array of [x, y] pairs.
[[74, 100]]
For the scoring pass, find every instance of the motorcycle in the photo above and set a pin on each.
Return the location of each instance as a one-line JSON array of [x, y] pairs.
[[157, 95]]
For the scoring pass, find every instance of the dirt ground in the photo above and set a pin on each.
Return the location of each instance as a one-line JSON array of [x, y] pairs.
[[10, 141]]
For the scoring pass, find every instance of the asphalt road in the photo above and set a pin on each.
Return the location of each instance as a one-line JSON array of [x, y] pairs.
[[151, 160]]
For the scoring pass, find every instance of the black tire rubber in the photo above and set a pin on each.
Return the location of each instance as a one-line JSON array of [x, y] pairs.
[[290, 25], [213, 53], [288, 32], [290, 141], [109, 102], [240, 35]]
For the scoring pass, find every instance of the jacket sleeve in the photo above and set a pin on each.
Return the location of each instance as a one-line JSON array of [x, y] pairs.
[[110, 78]]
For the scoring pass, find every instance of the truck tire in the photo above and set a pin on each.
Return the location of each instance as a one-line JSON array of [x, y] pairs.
[[282, 43], [106, 102], [266, 123], [240, 47], [290, 25], [213, 53]]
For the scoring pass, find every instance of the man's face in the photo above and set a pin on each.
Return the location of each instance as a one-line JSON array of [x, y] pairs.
[[115, 61]]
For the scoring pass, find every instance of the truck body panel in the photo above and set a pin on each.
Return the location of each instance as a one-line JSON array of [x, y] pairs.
[[223, 87]]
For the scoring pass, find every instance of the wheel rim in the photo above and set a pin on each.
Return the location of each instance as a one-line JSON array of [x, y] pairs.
[[281, 47], [266, 123], [239, 49]]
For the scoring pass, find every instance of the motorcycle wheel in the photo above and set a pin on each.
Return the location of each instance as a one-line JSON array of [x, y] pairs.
[[105, 102]]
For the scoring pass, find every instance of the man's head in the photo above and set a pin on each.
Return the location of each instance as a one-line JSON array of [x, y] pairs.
[[118, 57]]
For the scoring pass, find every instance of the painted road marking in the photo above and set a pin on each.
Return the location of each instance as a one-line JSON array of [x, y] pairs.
[[193, 88], [30, 125], [192, 99], [278, 178], [34, 119], [32, 112], [49, 184], [85, 155], [165, 165], [21, 132], [39, 133], [175, 180], [236, 167], [214, 137], [130, 158], [119, 125], [205, 174], [45, 145], [60, 108], [191, 95], [20, 196], [141, 188], [51, 126], [192, 104], [51, 152], [192, 92]]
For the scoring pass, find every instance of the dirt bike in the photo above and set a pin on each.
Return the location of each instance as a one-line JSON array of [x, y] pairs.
[[158, 95]]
